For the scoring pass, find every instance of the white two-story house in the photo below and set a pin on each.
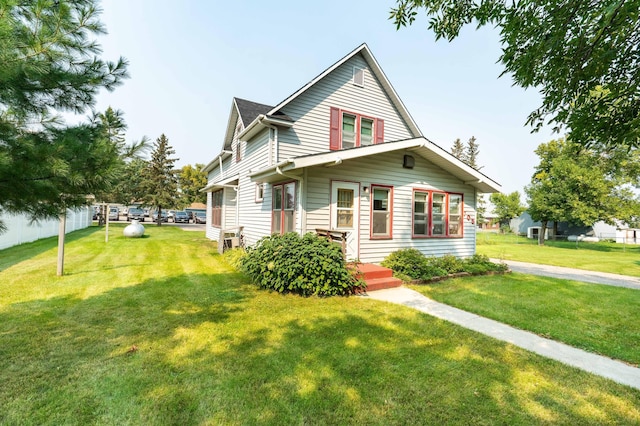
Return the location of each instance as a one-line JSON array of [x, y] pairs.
[[343, 154]]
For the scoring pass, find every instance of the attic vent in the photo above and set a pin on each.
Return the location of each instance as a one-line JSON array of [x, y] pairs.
[[358, 76]]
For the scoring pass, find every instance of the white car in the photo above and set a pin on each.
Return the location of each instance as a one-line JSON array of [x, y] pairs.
[[113, 214]]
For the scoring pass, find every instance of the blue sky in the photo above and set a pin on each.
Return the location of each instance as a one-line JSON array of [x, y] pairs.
[[189, 58]]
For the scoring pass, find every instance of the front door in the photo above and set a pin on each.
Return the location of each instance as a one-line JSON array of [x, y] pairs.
[[345, 203]]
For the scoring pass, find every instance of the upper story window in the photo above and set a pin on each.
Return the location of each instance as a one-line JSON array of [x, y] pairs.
[[437, 214], [358, 76], [350, 130], [238, 152]]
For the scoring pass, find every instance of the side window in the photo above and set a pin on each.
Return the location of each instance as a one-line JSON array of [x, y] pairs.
[[283, 208], [381, 211], [259, 192], [455, 215], [420, 214]]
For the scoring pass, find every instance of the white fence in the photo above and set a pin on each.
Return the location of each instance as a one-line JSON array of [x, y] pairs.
[[20, 230]]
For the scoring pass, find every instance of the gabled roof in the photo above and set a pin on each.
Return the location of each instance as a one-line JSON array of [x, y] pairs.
[[249, 111], [420, 146], [377, 71]]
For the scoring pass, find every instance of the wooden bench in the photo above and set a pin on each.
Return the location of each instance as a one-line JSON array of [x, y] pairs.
[[338, 237]]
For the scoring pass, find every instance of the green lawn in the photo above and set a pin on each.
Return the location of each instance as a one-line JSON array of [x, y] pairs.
[[597, 318], [160, 331], [603, 257]]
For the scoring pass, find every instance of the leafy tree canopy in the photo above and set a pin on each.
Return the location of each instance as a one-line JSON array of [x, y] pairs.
[[584, 57], [192, 180], [583, 186], [507, 206]]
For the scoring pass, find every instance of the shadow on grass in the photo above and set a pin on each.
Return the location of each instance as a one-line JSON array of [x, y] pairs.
[[206, 349], [13, 255]]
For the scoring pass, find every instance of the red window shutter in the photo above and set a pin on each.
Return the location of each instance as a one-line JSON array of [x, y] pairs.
[[379, 131], [334, 133]]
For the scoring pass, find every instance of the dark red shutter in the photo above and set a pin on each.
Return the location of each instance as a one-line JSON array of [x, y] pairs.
[[379, 130], [334, 133]]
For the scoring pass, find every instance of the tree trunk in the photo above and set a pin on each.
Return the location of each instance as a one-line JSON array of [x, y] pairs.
[[61, 234], [555, 230], [543, 230], [159, 219]]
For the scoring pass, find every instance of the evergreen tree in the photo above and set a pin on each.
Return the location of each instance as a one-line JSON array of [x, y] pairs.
[[471, 153], [49, 63], [458, 150], [159, 179]]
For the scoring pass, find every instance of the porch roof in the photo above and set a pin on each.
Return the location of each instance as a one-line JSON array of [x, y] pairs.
[[231, 181], [420, 146]]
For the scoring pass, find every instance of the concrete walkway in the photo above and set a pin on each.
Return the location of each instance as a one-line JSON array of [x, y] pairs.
[[572, 274], [596, 364]]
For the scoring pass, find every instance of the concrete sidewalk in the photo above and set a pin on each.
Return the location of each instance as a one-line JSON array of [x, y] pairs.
[[596, 364], [572, 274]]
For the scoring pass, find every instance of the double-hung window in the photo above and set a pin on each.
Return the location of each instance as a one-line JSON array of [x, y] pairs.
[[437, 214], [381, 211], [216, 208], [351, 130], [283, 208]]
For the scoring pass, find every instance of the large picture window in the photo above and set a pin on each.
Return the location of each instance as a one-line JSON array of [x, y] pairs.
[[381, 211], [437, 214], [216, 208], [283, 208]]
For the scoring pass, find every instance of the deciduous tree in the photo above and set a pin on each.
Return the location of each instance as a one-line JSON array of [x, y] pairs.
[[584, 57], [582, 186], [192, 180], [507, 206]]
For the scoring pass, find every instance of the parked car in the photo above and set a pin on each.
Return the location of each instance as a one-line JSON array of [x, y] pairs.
[[113, 213], [135, 213], [200, 217], [180, 217], [125, 211], [171, 214], [163, 216]]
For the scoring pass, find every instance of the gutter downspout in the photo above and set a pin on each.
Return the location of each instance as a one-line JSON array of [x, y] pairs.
[[300, 192]]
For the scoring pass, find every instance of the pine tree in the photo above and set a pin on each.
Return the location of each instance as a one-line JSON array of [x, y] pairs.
[[471, 153], [49, 63], [458, 151], [159, 179]]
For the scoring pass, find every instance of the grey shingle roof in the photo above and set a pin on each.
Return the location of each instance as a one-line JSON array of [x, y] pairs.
[[250, 110]]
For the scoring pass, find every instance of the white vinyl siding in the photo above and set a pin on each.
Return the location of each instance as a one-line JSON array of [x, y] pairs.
[[311, 110], [387, 170]]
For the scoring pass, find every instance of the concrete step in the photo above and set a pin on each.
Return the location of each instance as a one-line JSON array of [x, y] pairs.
[[371, 271], [382, 283]]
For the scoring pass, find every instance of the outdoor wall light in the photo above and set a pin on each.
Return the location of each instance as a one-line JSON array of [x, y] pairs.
[[365, 189]]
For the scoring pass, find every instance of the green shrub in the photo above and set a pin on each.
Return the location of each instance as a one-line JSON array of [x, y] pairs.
[[412, 264], [409, 262], [308, 265], [448, 262]]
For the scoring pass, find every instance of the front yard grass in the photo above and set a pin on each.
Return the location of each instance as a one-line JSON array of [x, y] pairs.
[[160, 330], [597, 318], [603, 256]]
